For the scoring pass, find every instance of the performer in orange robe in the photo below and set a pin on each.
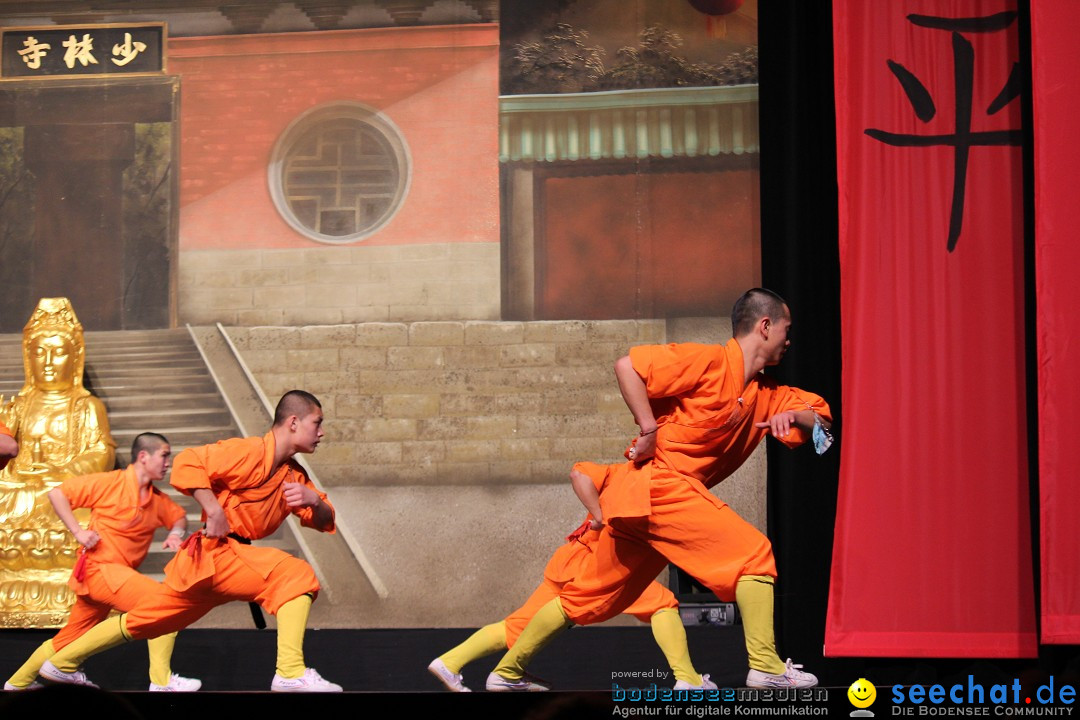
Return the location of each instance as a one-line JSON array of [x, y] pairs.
[[126, 510], [702, 410], [246, 487], [656, 605]]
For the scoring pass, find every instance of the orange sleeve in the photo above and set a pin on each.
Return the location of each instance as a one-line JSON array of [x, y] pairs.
[[784, 398], [87, 491], [307, 515], [189, 471], [670, 370], [230, 461], [168, 512], [4, 430]]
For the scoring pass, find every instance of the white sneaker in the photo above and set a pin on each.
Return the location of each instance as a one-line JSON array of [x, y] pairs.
[[453, 681], [545, 684], [706, 684], [177, 683], [310, 681], [51, 672], [793, 677], [497, 683], [15, 688]]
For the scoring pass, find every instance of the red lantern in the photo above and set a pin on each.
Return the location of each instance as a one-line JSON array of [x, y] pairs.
[[716, 7]]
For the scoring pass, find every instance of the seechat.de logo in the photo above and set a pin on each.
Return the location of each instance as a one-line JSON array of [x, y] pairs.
[[974, 698]]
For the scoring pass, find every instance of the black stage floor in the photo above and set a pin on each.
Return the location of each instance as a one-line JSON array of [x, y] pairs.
[[386, 671], [394, 660], [383, 670]]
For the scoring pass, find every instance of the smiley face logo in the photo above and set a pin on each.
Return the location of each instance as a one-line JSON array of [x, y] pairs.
[[862, 693]]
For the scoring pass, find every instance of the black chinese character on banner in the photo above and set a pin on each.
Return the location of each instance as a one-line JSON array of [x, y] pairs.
[[963, 139]]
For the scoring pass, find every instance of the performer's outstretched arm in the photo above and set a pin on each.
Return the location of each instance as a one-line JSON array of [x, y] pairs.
[[780, 424]]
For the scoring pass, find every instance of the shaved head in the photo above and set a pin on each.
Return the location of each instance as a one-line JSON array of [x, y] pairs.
[[755, 304], [148, 441], [295, 402]]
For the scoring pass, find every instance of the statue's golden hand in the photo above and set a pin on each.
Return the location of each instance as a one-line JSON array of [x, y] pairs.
[[34, 476]]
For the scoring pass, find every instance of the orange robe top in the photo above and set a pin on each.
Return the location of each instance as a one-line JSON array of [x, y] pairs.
[[237, 471], [705, 419], [124, 523]]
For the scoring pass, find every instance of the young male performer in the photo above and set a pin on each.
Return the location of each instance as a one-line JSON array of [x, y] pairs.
[[701, 410], [125, 510], [247, 487], [656, 605]]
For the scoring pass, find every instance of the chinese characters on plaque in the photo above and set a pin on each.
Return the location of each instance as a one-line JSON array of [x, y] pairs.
[[82, 51]]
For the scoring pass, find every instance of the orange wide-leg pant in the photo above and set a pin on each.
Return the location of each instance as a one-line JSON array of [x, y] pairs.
[[563, 566], [168, 610], [689, 527], [95, 606]]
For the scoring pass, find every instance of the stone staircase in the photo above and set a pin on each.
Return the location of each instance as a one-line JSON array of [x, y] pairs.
[[149, 380]]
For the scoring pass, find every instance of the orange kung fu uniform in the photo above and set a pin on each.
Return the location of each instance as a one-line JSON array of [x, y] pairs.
[[662, 511], [563, 567], [108, 579], [208, 572]]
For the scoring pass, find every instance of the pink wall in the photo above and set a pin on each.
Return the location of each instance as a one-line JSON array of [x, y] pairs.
[[438, 85]]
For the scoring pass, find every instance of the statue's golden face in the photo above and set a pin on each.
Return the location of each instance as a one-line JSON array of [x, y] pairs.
[[52, 362]]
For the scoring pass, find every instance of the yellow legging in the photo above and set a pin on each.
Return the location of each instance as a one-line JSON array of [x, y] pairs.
[[488, 639], [667, 628], [291, 622], [160, 649], [670, 635], [754, 596], [753, 593]]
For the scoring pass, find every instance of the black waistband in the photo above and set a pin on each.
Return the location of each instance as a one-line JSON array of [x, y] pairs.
[[239, 538]]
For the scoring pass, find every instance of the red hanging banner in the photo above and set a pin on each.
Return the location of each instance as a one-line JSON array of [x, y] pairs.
[[932, 556], [1056, 105]]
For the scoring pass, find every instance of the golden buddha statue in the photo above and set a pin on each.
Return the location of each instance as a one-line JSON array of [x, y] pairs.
[[62, 432]]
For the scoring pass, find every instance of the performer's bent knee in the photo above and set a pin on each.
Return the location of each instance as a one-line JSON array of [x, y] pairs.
[[288, 581], [648, 616], [147, 626], [589, 613], [760, 561]]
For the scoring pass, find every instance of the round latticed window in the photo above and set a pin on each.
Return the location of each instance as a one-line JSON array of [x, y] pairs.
[[339, 173]]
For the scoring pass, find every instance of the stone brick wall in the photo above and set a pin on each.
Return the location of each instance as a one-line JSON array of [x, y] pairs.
[[330, 285], [455, 402]]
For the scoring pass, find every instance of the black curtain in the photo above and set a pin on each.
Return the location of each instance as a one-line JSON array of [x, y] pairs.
[[800, 260]]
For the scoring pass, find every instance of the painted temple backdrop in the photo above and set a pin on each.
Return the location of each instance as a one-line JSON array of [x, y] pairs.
[[445, 218]]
